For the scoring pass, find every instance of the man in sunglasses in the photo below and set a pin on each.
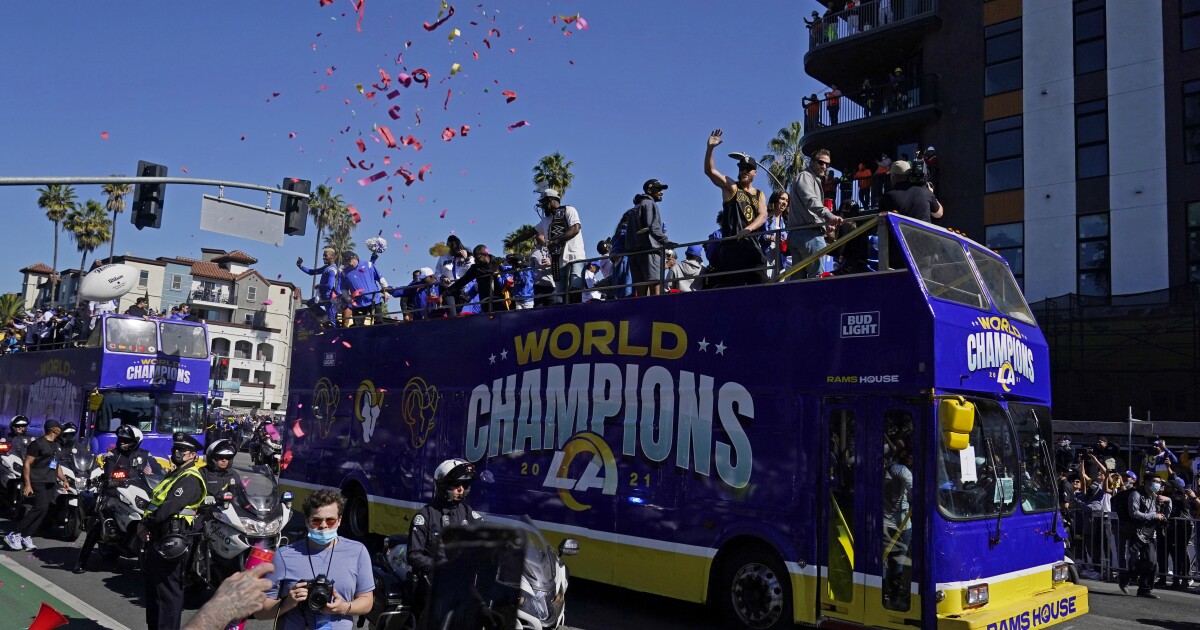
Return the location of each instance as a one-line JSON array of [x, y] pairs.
[[809, 216], [452, 483], [165, 527]]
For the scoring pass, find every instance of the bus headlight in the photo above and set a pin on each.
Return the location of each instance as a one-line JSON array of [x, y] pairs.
[[1060, 572], [977, 595]]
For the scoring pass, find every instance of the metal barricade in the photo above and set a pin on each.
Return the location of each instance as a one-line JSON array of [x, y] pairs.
[[1096, 545]]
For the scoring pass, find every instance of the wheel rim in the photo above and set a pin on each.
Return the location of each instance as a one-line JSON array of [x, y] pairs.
[[757, 596], [356, 516]]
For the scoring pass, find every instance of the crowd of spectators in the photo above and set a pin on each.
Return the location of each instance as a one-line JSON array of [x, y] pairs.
[[49, 328]]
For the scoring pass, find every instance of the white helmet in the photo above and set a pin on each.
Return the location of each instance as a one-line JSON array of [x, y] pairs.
[[452, 473]]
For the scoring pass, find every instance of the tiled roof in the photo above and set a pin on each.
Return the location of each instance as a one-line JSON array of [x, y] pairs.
[[38, 268], [251, 272], [237, 256], [207, 269]]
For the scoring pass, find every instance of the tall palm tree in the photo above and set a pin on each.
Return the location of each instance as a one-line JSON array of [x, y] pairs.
[[523, 248], [57, 200], [12, 307], [553, 171], [116, 205], [323, 206], [786, 158], [341, 231], [91, 228]]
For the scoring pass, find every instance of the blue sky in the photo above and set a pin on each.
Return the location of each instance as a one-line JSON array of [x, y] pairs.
[[180, 83]]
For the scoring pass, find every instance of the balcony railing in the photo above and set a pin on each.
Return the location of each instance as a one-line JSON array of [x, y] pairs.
[[891, 98], [211, 295], [865, 17]]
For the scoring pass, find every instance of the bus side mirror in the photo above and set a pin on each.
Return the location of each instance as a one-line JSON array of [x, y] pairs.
[[957, 419], [95, 400]]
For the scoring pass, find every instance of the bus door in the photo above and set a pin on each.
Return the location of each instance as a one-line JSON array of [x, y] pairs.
[[870, 516]]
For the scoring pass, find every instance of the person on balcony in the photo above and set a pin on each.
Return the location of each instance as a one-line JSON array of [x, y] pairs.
[[833, 103]]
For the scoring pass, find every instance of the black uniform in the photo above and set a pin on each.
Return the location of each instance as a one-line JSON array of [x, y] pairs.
[[164, 577], [218, 482], [135, 462], [910, 200], [1143, 511], [43, 477], [20, 443], [425, 538]]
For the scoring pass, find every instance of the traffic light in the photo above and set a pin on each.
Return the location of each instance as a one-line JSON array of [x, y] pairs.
[[221, 369], [148, 198], [295, 209]]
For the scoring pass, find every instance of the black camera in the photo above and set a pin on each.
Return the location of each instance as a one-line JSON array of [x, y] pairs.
[[320, 593], [516, 260], [919, 173]]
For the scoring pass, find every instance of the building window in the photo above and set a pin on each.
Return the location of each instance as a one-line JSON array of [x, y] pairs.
[[266, 352], [248, 319], [1004, 146], [262, 377], [1091, 139], [1008, 240], [143, 279], [176, 282], [1093, 255], [1190, 14], [251, 294], [1090, 44], [1191, 120], [241, 374], [242, 349], [220, 346], [1193, 241], [1002, 58]]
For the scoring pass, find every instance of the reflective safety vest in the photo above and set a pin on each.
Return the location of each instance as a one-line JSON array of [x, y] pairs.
[[163, 490]]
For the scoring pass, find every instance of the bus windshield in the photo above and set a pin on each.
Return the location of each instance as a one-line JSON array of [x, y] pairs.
[[135, 408], [1032, 423], [138, 336], [1002, 287], [978, 482], [184, 341], [943, 267], [180, 413]]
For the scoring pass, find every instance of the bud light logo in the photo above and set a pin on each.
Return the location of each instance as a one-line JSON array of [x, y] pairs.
[[860, 324]]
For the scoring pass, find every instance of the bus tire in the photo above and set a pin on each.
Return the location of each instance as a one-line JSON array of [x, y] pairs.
[[357, 518], [754, 591]]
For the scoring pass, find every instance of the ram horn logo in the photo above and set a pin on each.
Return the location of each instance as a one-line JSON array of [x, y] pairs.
[[419, 408], [368, 402], [324, 405]]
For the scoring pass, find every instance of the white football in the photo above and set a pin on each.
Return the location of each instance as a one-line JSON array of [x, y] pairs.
[[107, 282]]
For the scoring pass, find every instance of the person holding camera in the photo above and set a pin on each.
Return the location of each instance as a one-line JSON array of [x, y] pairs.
[[322, 581], [1145, 513], [911, 195]]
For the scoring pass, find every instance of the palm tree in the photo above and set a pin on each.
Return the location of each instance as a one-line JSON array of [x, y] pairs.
[[91, 228], [12, 307], [57, 200], [786, 158], [341, 231], [522, 248], [323, 205], [553, 171], [116, 205]]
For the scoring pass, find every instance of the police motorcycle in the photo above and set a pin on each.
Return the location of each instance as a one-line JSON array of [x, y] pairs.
[[78, 498], [542, 603], [252, 516], [12, 470], [266, 449], [124, 498]]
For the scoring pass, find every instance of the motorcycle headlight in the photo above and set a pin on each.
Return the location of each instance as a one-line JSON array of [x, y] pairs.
[[255, 527], [533, 603]]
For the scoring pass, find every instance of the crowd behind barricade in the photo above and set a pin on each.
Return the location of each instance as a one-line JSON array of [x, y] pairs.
[[49, 328], [759, 238], [1131, 516]]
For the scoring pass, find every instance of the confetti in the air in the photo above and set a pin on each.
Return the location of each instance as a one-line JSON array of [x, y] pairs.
[[104, 135], [509, 95], [519, 123]]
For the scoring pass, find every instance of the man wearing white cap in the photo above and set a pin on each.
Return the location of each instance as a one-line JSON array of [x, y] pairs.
[[564, 237]]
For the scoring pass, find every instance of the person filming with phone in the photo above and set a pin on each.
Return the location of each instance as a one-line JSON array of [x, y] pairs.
[[322, 581]]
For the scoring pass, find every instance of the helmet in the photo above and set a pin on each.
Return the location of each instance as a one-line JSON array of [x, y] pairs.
[[129, 434], [218, 449], [172, 546], [18, 421], [69, 431], [452, 473]]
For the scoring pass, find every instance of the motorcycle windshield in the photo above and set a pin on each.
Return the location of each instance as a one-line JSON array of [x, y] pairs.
[[82, 459], [260, 488]]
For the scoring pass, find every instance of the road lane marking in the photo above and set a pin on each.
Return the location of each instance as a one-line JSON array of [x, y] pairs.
[[80, 606]]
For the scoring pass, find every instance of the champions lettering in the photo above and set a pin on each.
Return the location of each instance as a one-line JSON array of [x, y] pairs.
[[993, 349], [154, 369], [1045, 614], [660, 413]]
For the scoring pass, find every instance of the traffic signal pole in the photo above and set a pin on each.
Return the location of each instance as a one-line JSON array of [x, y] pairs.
[[41, 181]]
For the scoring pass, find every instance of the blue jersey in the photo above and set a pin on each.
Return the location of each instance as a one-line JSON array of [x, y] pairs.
[[329, 279]]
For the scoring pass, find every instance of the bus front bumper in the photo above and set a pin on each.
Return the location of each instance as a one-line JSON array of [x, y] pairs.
[[1064, 602]]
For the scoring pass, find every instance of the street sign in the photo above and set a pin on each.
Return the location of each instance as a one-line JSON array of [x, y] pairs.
[[235, 218]]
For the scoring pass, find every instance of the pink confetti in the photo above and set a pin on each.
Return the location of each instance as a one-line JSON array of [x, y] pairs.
[[104, 134], [447, 102], [421, 173], [326, 2], [267, 302], [346, 343], [296, 430], [183, 168], [393, 94], [374, 178], [397, 235], [509, 96], [463, 131], [519, 123], [476, 54], [430, 27], [394, 112], [512, 50], [409, 178], [447, 134], [388, 139], [443, 214], [362, 147], [387, 212], [292, 134], [413, 142], [581, 24], [354, 213], [420, 75], [243, 138], [404, 79]]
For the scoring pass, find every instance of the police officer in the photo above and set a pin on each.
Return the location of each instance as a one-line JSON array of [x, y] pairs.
[[452, 483], [1146, 513], [67, 448], [128, 456], [219, 475], [18, 435], [164, 529], [41, 478]]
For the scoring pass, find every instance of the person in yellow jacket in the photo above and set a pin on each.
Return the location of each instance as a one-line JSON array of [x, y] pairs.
[[165, 528]]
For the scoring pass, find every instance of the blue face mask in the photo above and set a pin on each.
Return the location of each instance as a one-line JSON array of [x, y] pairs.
[[322, 536], [1155, 487]]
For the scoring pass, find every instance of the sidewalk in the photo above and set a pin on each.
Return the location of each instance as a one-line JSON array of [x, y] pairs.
[[22, 593]]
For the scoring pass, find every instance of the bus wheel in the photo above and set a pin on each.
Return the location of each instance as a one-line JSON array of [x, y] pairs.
[[357, 513], [755, 591]]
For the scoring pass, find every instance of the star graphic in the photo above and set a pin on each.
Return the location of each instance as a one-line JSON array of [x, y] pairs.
[[703, 345], [492, 359], [721, 348], [503, 354]]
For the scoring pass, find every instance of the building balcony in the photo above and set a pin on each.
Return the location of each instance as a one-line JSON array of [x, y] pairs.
[[866, 120], [211, 297], [872, 36]]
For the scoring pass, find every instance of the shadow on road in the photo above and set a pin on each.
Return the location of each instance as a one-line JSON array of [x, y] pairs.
[[1170, 625]]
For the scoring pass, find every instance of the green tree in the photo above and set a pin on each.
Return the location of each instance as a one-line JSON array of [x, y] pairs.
[[12, 307], [553, 171], [323, 206], [116, 205], [57, 200], [521, 247], [786, 158], [341, 231], [91, 228]]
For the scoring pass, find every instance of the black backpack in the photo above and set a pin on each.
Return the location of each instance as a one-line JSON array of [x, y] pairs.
[[1120, 504]]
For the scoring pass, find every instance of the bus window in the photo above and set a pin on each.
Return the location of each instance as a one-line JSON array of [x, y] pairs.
[[841, 505], [897, 510], [184, 341], [978, 481], [180, 412], [943, 267], [1038, 489], [135, 408], [138, 336], [1001, 286]]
